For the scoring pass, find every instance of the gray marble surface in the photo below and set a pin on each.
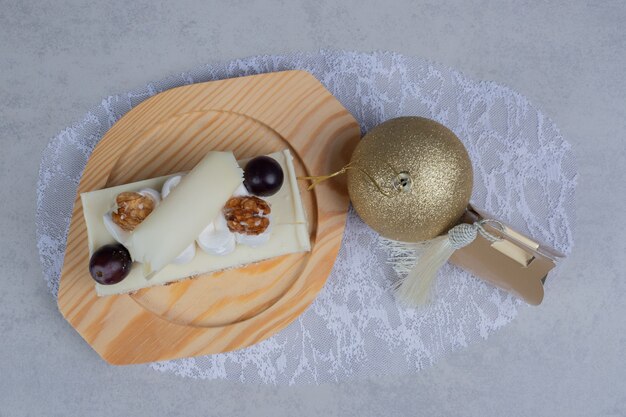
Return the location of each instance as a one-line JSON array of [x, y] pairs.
[[564, 358]]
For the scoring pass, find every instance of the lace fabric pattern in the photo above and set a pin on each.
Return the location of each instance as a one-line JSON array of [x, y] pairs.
[[524, 174]]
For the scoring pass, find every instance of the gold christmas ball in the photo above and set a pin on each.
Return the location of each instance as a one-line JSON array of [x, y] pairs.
[[410, 179]]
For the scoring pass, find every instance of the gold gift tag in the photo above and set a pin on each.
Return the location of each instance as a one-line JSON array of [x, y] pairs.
[[515, 263]]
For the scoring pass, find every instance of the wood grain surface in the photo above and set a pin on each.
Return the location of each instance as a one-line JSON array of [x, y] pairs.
[[171, 132]]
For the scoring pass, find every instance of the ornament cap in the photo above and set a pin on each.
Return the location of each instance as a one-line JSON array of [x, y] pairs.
[[403, 182]]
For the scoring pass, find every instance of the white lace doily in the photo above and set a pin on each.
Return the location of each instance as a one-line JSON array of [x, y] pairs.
[[524, 174]]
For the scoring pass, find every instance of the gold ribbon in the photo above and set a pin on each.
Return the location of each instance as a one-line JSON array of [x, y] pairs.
[[317, 179]]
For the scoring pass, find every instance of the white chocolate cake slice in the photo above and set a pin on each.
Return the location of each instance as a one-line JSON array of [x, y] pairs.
[[165, 233]]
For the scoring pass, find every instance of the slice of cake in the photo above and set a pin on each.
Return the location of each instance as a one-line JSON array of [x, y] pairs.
[[218, 216]]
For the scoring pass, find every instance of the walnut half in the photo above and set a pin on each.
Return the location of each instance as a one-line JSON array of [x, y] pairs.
[[132, 209], [247, 215]]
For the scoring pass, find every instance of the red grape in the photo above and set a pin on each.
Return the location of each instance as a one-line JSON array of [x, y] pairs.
[[110, 264], [263, 176]]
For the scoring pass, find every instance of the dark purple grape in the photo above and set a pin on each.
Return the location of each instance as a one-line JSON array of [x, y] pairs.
[[263, 176], [110, 264]]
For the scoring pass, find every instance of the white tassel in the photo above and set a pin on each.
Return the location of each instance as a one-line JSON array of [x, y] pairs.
[[415, 287]]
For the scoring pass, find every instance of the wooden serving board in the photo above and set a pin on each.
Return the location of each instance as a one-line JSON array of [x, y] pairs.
[[171, 132]]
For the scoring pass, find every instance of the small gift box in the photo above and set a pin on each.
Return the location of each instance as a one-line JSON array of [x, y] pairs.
[[514, 262]]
